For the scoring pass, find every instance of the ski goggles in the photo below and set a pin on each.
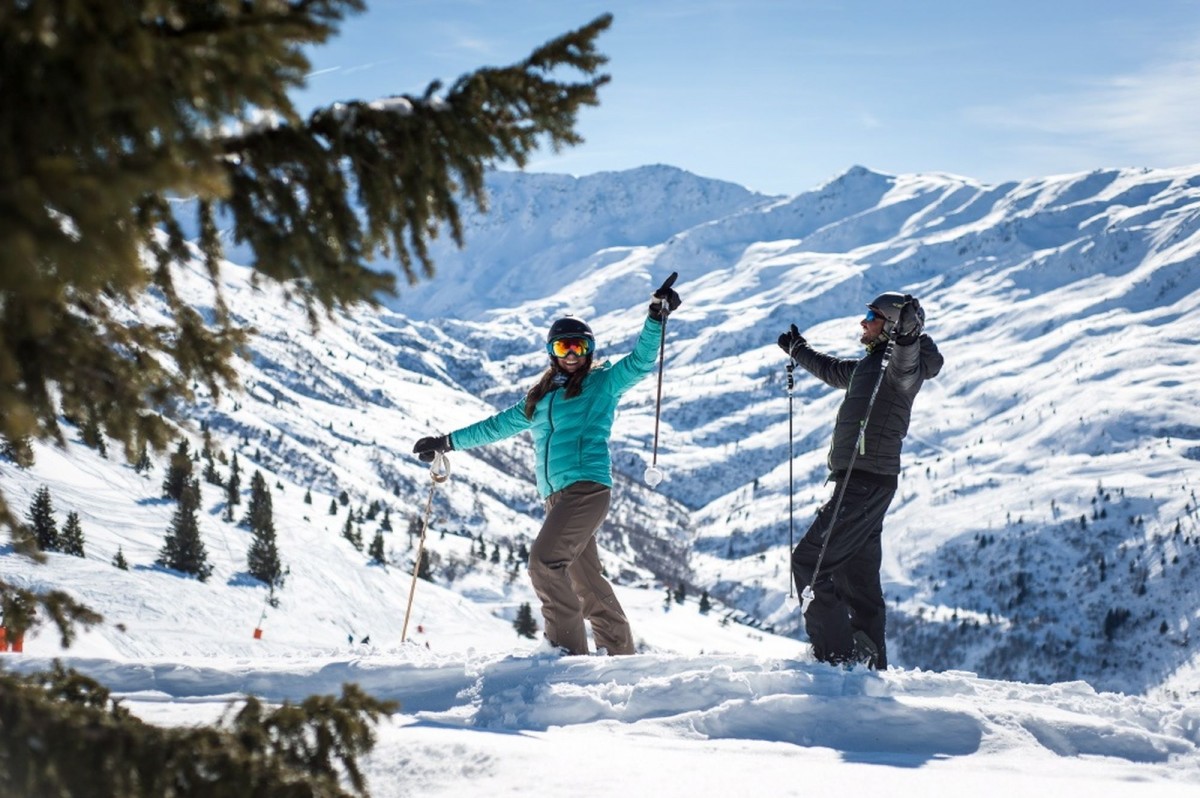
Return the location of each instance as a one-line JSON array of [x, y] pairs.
[[873, 314], [561, 347]]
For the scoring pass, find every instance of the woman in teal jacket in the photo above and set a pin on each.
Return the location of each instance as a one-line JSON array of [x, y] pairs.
[[569, 412]]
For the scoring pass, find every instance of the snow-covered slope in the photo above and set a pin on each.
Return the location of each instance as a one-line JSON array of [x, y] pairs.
[[1045, 528], [700, 724]]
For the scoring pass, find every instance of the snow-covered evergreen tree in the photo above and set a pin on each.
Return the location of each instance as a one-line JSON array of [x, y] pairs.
[[376, 550], [183, 550], [71, 538], [525, 625], [233, 488], [143, 462], [179, 472], [42, 523], [263, 557], [259, 512], [352, 533]]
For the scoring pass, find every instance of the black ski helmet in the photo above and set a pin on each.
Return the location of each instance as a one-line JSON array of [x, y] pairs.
[[888, 305], [570, 327]]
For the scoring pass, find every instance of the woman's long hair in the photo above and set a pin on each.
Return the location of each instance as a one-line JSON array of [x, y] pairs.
[[546, 383]]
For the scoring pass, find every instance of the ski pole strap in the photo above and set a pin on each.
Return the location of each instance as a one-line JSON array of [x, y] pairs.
[[439, 469]]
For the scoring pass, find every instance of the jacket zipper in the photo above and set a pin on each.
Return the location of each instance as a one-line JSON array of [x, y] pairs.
[[549, 435]]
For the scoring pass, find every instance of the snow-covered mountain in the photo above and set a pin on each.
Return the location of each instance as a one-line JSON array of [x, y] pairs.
[[1046, 523], [1045, 529]]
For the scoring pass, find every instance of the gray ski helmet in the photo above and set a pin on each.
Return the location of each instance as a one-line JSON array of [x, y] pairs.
[[888, 305]]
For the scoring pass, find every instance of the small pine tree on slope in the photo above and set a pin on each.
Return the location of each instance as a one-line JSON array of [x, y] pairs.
[[183, 549], [263, 557], [41, 521], [178, 472], [71, 539], [525, 625], [376, 549]]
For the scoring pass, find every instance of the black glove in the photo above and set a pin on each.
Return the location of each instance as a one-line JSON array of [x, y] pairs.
[[790, 340], [428, 448], [665, 295], [911, 323]]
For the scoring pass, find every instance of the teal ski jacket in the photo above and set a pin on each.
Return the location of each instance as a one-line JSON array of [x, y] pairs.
[[570, 436]]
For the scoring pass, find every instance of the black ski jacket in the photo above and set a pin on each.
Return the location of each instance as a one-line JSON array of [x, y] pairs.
[[910, 366]]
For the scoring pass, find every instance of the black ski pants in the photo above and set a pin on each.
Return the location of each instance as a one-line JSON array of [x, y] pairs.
[[848, 596]]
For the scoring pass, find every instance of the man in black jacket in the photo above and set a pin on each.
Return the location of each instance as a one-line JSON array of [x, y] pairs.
[[845, 618]]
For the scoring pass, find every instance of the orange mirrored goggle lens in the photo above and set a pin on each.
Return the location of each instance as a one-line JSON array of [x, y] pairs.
[[565, 346]]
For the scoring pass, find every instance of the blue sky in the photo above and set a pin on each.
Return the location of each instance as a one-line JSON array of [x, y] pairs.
[[780, 96]]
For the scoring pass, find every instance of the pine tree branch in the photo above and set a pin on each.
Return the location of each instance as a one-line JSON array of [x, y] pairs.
[[61, 733], [404, 160]]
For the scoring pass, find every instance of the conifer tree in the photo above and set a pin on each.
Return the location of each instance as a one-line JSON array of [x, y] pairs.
[[386, 524], [143, 463], [376, 550], [42, 523], [91, 434], [525, 625], [179, 472], [71, 538], [352, 533], [89, 744], [333, 510], [210, 473], [425, 570], [705, 603], [119, 561], [259, 512], [263, 557], [308, 496], [233, 488], [183, 550]]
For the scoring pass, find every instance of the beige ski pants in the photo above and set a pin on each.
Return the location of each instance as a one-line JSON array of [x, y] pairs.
[[564, 566]]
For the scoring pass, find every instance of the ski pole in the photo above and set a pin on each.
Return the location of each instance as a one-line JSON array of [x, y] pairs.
[[807, 594], [439, 471], [791, 382], [654, 474]]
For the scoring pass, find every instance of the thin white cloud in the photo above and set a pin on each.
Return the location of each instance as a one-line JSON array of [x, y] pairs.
[[869, 120], [1151, 116]]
